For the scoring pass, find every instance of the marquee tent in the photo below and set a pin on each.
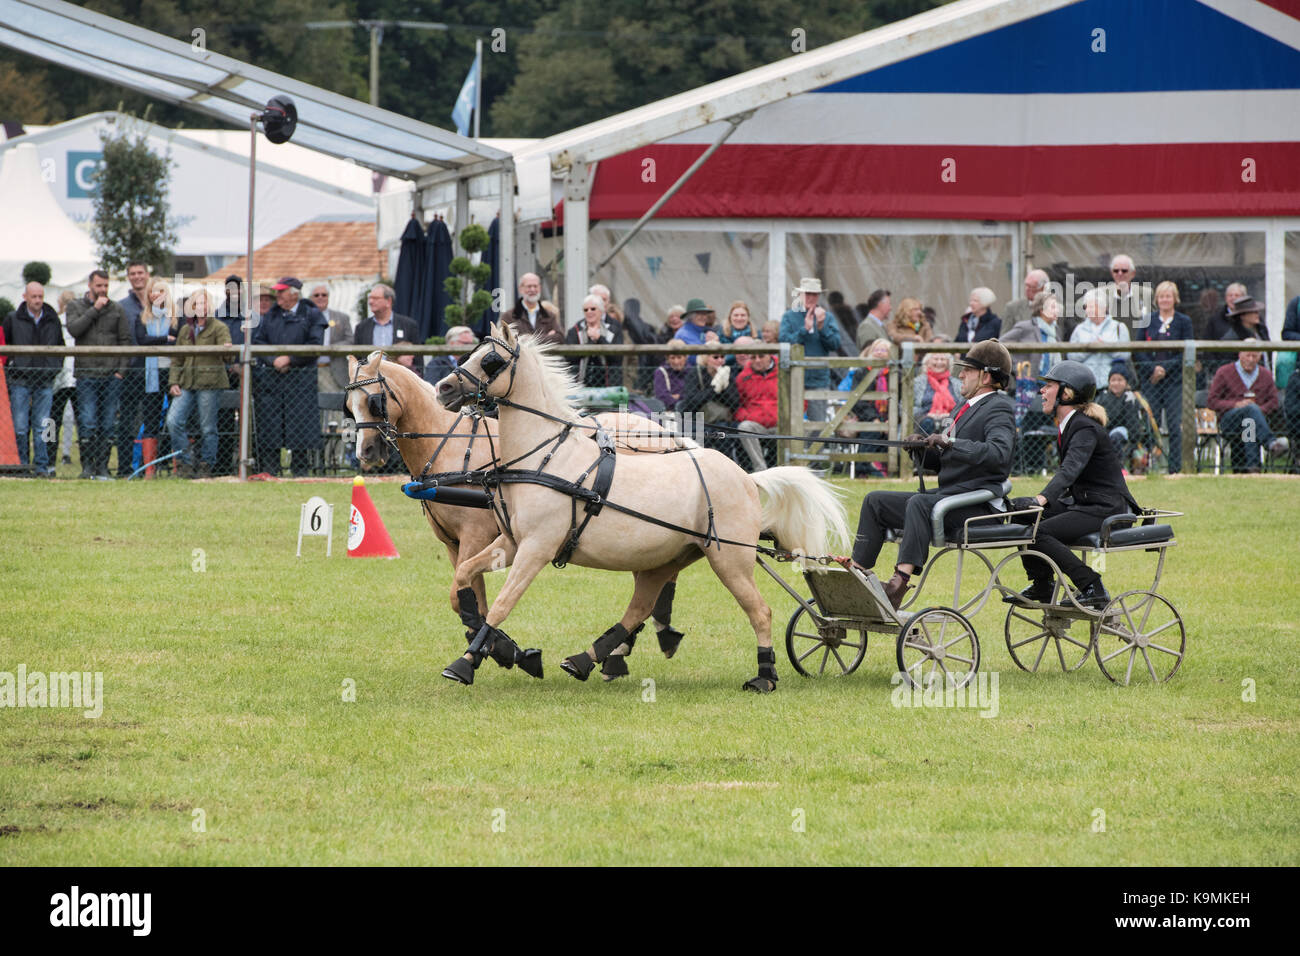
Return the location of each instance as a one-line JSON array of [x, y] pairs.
[[39, 229]]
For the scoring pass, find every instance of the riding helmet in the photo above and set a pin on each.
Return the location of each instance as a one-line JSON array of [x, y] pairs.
[[988, 356], [1078, 377]]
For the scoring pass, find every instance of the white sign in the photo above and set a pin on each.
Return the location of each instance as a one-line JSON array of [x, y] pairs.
[[356, 529], [317, 520]]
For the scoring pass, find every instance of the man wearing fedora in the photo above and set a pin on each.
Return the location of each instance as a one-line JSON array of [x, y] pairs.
[[1245, 321], [697, 326], [819, 333]]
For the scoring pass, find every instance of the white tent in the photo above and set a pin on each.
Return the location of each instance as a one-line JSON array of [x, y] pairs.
[[38, 228]]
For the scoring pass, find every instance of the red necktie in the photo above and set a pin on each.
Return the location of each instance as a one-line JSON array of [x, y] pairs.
[[960, 412]]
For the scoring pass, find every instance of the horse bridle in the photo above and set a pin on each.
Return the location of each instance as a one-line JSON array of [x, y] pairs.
[[377, 404], [491, 365]]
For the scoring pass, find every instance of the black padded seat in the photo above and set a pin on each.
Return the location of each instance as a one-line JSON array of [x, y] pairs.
[[1125, 537], [989, 533]]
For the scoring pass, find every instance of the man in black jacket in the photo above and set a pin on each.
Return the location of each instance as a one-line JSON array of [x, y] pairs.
[[972, 454], [1088, 488], [284, 386], [384, 327], [95, 319], [31, 377]]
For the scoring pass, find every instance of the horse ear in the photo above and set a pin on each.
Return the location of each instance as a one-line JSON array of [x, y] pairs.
[[494, 330], [508, 333], [352, 367]]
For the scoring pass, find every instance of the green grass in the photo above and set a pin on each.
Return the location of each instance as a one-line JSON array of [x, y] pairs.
[[223, 692]]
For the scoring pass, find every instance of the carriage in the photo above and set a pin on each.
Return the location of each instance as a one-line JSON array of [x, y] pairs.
[[1139, 633]]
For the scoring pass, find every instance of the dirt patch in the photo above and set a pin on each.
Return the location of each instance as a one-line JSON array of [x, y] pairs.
[[727, 785]]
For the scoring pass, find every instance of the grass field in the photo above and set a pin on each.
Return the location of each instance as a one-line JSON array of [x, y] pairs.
[[225, 659]]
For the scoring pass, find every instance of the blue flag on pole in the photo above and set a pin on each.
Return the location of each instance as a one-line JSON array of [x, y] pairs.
[[460, 114]]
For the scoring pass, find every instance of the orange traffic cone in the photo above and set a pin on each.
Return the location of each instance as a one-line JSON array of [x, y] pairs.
[[367, 536]]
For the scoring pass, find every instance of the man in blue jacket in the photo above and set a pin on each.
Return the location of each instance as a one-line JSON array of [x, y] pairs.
[[817, 331], [284, 386]]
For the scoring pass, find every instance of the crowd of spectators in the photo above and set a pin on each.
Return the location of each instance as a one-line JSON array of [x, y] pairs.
[[158, 405]]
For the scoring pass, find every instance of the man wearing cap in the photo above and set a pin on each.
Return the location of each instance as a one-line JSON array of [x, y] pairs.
[[284, 386], [817, 331], [972, 454], [383, 327]]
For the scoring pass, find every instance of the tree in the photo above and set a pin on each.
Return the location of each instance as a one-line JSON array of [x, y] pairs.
[[36, 272], [467, 276], [130, 203]]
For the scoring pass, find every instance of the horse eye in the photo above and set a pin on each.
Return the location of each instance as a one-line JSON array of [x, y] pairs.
[[493, 363]]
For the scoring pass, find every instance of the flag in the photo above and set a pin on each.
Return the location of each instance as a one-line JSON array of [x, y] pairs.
[[460, 114]]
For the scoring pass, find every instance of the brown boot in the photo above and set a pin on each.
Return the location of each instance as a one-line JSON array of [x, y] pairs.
[[896, 587]]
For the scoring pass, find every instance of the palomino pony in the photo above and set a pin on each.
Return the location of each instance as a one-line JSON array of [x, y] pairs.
[[456, 442], [655, 517]]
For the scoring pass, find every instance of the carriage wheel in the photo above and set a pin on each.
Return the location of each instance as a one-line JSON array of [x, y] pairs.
[[818, 647], [1035, 636], [1139, 634], [938, 644]]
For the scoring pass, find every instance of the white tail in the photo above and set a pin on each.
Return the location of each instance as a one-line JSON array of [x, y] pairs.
[[802, 510]]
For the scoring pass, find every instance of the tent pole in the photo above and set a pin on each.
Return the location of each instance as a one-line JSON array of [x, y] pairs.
[[732, 123], [251, 317]]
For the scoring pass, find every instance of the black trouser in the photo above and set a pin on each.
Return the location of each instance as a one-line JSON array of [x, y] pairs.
[[909, 510], [1053, 531], [61, 398]]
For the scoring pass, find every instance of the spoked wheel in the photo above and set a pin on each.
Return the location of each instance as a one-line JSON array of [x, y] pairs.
[[1032, 631], [1139, 634], [938, 644], [818, 647]]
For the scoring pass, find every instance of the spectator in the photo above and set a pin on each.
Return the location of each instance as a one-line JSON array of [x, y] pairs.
[[143, 386], [1040, 327], [1219, 324], [440, 366], [1126, 300], [95, 319], [710, 396], [873, 318], [231, 314], [197, 380], [137, 300], [1124, 415], [1291, 408], [1245, 321], [756, 410], [613, 314], [331, 371], [672, 322], [670, 377], [1022, 309], [737, 323], [1098, 327], [532, 316], [383, 327], [134, 304], [980, 322], [695, 326], [1291, 326], [909, 323], [845, 317], [771, 332], [596, 371], [1245, 390], [1207, 306], [876, 355], [1160, 374], [31, 377], [284, 386], [817, 331], [937, 394], [64, 408]]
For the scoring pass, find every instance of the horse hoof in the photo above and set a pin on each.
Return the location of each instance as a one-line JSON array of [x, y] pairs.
[[579, 665], [614, 668], [669, 638], [460, 670], [529, 661]]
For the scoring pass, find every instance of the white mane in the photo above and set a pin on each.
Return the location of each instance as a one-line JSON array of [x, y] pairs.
[[557, 383]]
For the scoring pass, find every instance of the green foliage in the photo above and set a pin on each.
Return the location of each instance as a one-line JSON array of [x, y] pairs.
[[6, 306], [480, 274], [459, 265], [474, 238], [454, 314], [454, 286], [436, 340], [36, 272], [130, 202]]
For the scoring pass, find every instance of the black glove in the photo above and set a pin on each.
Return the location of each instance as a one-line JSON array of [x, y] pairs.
[[915, 438], [937, 442], [1023, 504]]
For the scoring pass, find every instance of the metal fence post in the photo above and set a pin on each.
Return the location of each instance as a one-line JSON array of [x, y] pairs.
[[906, 379], [796, 397], [1189, 405]]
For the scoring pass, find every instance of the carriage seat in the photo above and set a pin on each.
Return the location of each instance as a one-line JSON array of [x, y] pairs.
[[1126, 537], [964, 500], [991, 533]]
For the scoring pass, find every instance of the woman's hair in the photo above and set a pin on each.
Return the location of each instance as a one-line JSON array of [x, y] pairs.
[[168, 304], [593, 300], [1167, 286], [941, 356], [985, 295], [773, 326], [1040, 302], [1094, 411], [738, 304], [191, 309], [866, 352], [906, 307], [66, 296]]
